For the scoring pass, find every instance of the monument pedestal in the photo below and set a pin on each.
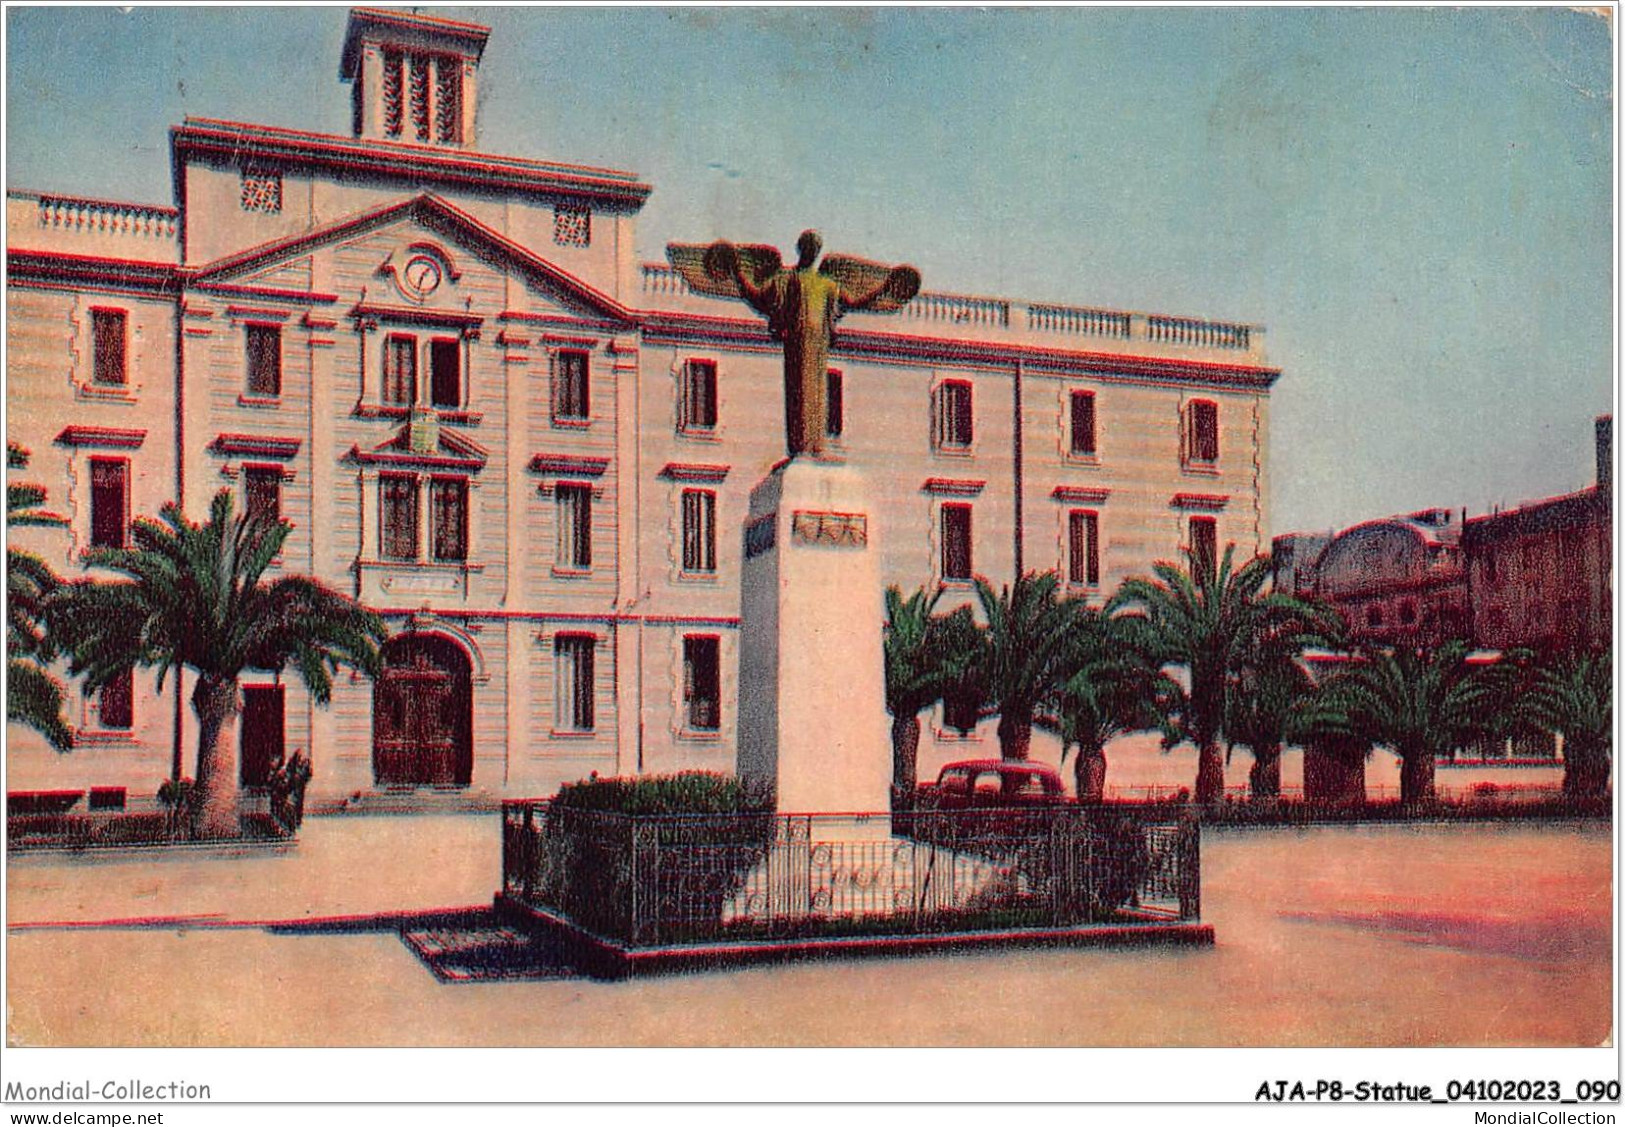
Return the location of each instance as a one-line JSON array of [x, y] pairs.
[[812, 710]]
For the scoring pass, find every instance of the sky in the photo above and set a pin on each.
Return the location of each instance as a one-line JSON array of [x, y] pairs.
[[1416, 204]]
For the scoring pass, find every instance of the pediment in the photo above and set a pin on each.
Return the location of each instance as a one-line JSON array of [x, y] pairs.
[[423, 444], [423, 253]]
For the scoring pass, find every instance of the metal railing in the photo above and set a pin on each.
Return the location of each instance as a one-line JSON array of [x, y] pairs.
[[705, 878]]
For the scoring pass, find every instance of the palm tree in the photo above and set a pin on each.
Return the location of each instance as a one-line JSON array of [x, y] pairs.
[[1110, 687], [1209, 621], [1270, 701], [1572, 696], [33, 696], [196, 597], [1419, 703], [926, 654], [1259, 715], [1021, 648]]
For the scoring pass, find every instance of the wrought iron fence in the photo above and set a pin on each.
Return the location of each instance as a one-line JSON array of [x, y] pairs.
[[695, 878]]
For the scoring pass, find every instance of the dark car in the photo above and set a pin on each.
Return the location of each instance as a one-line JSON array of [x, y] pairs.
[[979, 783]]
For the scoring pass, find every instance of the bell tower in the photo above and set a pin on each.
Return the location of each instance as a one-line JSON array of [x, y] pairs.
[[412, 77]]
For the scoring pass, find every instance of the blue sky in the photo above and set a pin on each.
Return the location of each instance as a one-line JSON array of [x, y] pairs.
[[1417, 204]]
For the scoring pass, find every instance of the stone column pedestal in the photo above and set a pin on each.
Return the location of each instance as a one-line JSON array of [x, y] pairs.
[[812, 716]]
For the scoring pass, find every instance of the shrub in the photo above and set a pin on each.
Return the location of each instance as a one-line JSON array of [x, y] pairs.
[[639, 858], [689, 792]]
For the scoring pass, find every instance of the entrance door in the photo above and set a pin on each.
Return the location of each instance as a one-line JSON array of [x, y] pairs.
[[262, 734], [422, 715]]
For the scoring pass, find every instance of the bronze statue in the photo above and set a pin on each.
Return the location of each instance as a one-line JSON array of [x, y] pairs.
[[801, 307]]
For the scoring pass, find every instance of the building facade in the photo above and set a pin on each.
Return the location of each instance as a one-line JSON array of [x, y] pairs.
[[1399, 579], [532, 452], [1538, 576], [1541, 575]]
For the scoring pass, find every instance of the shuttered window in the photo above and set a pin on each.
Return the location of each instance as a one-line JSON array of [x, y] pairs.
[[570, 385], [400, 370], [956, 546], [265, 360], [1083, 423], [573, 682], [953, 428], [699, 530], [109, 502], [574, 504], [1083, 564], [697, 396], [262, 489], [398, 516], [108, 330], [448, 518]]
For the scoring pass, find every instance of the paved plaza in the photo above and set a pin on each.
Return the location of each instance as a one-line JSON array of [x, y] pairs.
[[1410, 935]]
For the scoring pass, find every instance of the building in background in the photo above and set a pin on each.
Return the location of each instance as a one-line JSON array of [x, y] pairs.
[[531, 452], [1396, 579], [1541, 575], [1537, 576]]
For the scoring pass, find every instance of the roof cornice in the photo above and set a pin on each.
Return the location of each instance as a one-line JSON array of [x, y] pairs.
[[420, 164]]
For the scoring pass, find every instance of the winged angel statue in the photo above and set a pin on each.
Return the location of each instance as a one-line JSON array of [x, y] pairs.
[[801, 307]]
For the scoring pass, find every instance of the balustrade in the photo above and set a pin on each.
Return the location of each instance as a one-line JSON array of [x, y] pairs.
[[68, 213]]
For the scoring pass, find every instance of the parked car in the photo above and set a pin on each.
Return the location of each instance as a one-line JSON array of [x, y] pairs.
[[979, 783]]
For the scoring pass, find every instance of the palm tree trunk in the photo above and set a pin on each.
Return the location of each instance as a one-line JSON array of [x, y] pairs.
[[1264, 780], [1015, 736], [1089, 773], [1585, 768], [905, 748], [1416, 775], [215, 702], [1209, 772]]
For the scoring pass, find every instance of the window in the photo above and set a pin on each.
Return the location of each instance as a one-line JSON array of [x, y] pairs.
[[1083, 539], [445, 374], [263, 733], [109, 502], [573, 682], [1204, 544], [265, 360], [702, 683], [697, 396], [115, 704], [448, 518], [1199, 432], [834, 405], [956, 561], [572, 226], [1407, 613], [1373, 617], [401, 370], [262, 491], [575, 526], [107, 328], [1083, 424], [699, 530], [952, 426], [398, 516], [570, 386]]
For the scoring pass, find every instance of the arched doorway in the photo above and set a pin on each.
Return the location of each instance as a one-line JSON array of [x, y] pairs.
[[423, 714]]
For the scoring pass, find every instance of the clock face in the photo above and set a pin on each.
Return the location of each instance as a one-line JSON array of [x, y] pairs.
[[422, 275]]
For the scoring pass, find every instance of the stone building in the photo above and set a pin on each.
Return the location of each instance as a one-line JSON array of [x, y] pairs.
[[531, 451], [1541, 575], [1395, 579]]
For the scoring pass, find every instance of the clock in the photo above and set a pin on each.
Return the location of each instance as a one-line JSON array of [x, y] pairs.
[[421, 276]]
